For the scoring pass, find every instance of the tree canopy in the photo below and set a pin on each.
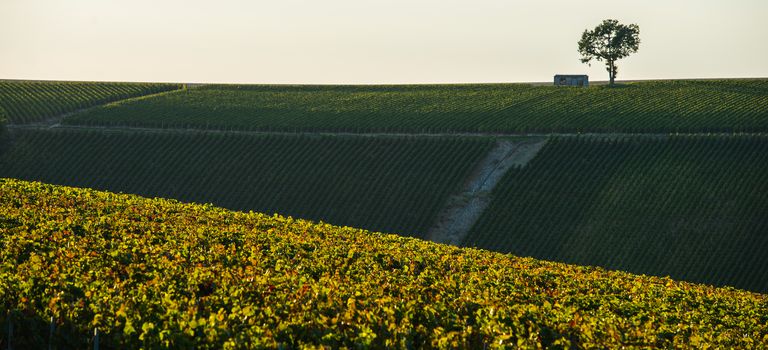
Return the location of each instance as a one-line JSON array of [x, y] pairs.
[[609, 42]]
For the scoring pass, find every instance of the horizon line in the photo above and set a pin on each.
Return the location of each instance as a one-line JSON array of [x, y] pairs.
[[598, 82]]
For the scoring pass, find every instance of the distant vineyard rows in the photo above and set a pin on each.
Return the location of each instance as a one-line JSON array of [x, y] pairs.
[[658, 107], [33, 101], [153, 273], [3, 120], [693, 208], [385, 184]]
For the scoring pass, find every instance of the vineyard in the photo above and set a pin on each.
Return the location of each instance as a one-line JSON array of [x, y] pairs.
[[81, 268], [389, 184], [669, 180], [643, 107], [3, 120], [691, 207], [35, 101]]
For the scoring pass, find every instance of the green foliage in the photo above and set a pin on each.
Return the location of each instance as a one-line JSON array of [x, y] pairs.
[[391, 184], [694, 208], [657, 107], [3, 120], [609, 41], [34, 101], [155, 273]]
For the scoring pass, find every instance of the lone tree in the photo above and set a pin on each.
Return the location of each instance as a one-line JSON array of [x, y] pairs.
[[609, 42]]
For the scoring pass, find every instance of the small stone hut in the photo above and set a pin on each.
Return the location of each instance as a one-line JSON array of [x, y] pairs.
[[571, 80]]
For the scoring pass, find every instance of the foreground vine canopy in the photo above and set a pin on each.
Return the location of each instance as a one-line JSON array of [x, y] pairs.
[[158, 273]]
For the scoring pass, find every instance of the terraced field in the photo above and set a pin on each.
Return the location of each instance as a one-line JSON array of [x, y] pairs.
[[691, 207], [390, 184], [643, 107], [154, 273], [34, 101]]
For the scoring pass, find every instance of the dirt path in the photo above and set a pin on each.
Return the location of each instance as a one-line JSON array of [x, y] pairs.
[[463, 209]]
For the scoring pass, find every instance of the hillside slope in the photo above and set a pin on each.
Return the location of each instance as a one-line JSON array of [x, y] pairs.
[[34, 101], [642, 107], [385, 184], [154, 272], [691, 207]]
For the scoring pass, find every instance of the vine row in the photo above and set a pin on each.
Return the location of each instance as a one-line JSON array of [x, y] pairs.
[[693, 208], [34, 101], [384, 184], [644, 107]]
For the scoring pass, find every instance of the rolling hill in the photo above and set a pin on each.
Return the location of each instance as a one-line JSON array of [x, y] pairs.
[[641, 107], [391, 184], [35, 101], [629, 194], [80, 267], [691, 207]]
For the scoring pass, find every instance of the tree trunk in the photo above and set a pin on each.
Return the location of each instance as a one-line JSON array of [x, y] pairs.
[[611, 72]]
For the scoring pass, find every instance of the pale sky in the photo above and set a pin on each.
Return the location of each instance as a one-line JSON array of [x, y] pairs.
[[371, 42]]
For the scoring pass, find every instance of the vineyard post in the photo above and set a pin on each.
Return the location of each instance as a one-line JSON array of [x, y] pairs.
[[95, 339]]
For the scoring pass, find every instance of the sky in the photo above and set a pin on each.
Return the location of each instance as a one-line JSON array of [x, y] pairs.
[[371, 41]]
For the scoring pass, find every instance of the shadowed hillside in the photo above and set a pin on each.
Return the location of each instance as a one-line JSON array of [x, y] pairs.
[[386, 184], [691, 207]]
